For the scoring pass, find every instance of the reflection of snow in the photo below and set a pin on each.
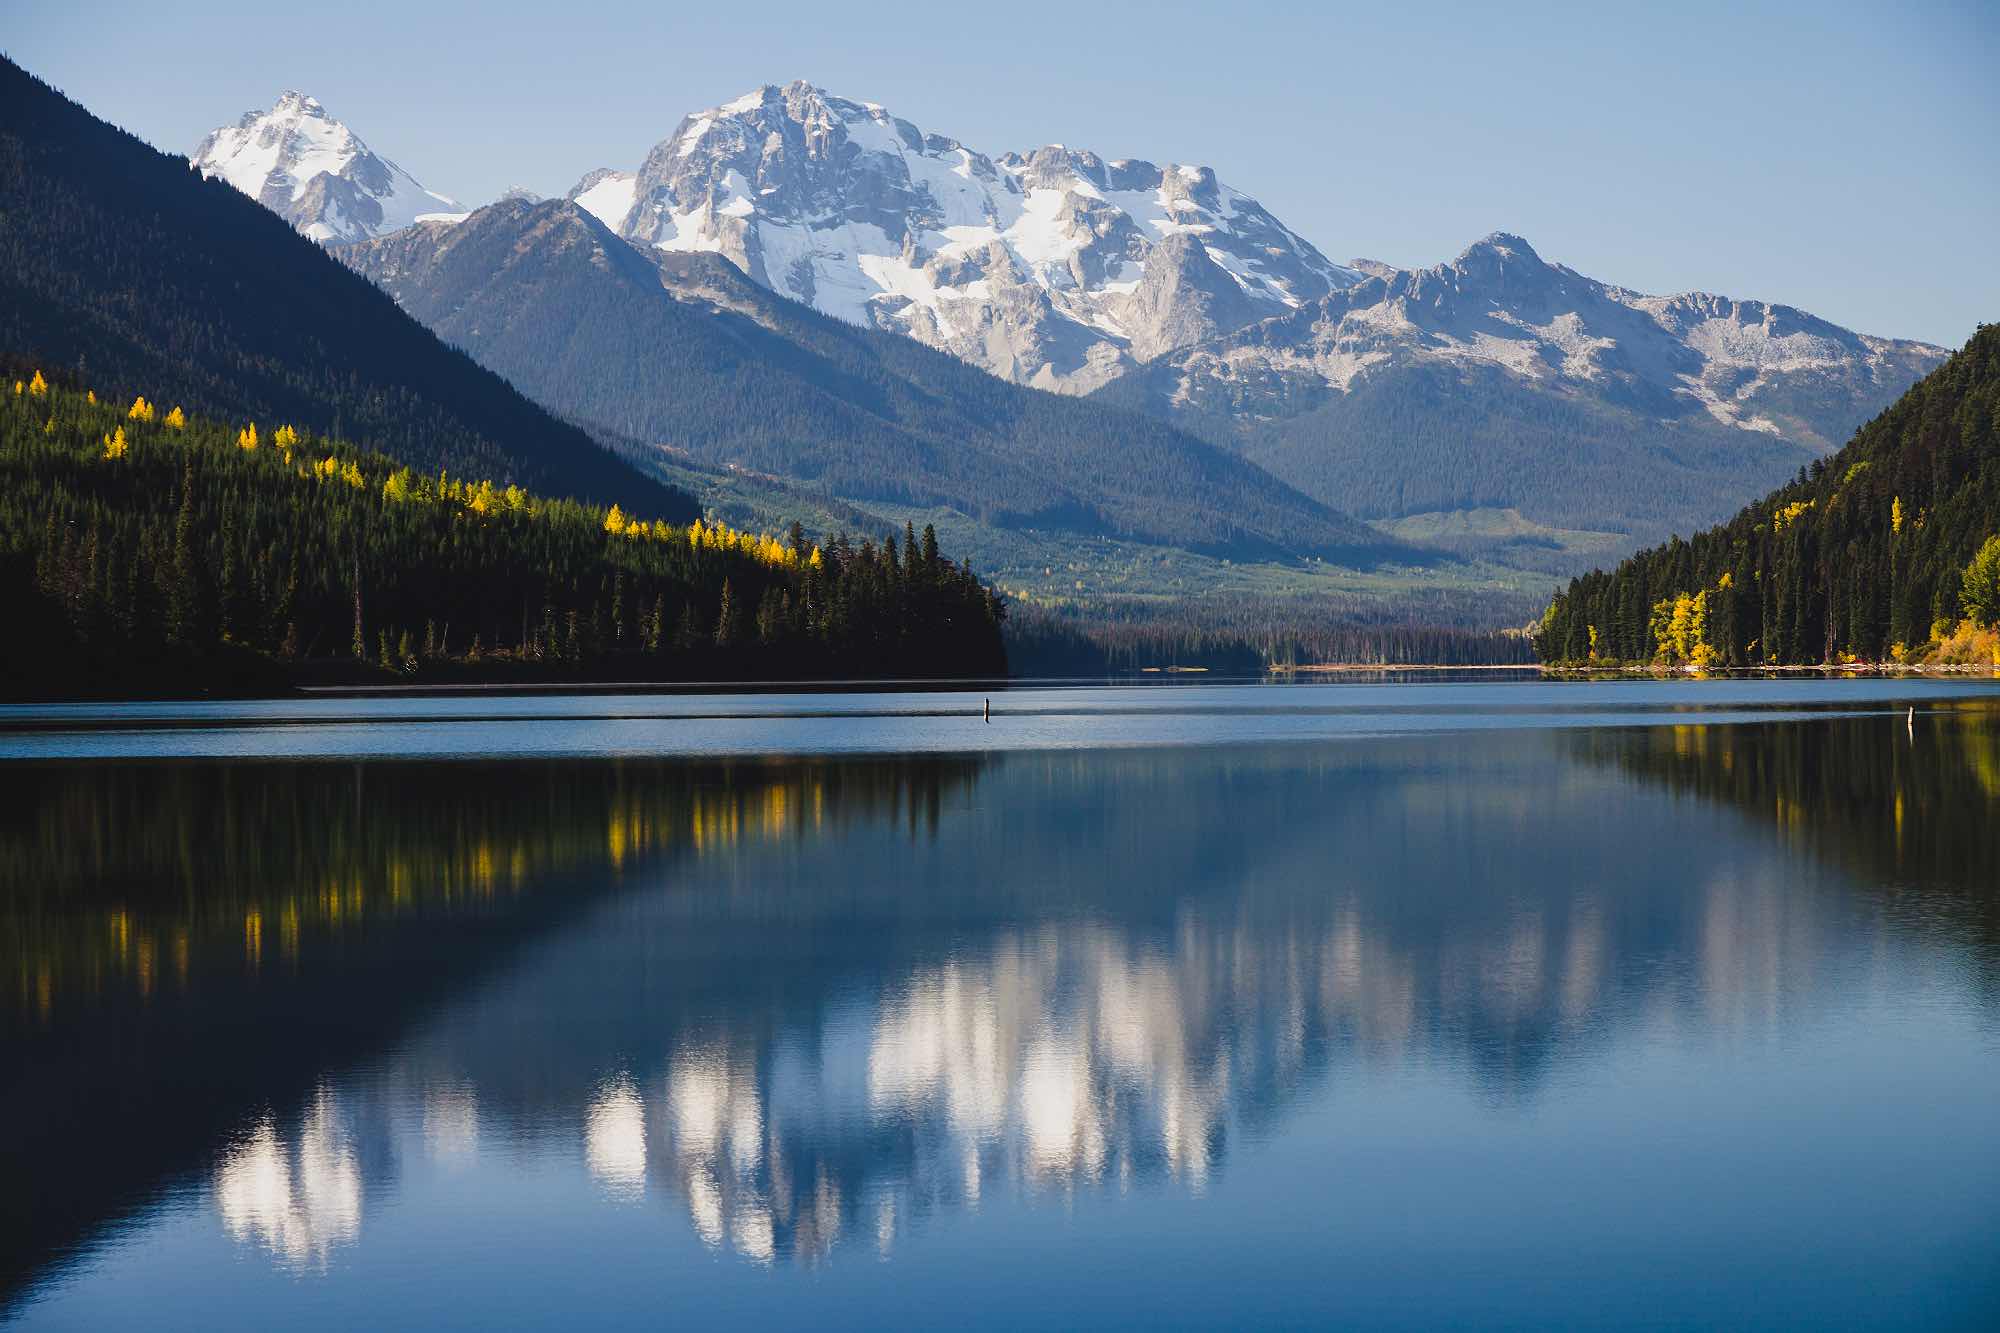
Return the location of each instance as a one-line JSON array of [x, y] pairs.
[[1064, 1135], [1051, 1062], [614, 1139], [298, 1202], [1063, 1055], [451, 1123]]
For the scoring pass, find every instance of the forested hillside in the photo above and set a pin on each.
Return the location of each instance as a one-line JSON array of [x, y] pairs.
[[146, 550], [683, 350], [1888, 550], [123, 265]]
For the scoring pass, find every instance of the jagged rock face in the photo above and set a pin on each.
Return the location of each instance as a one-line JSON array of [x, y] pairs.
[[316, 173], [1748, 365], [1054, 268]]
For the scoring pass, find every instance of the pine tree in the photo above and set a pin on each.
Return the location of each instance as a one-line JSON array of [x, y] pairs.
[[725, 617], [184, 608], [360, 638]]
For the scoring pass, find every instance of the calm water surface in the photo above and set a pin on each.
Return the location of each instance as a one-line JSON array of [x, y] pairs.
[[1634, 1004]]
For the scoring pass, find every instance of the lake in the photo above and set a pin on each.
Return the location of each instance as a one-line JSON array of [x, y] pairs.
[[1477, 1002]]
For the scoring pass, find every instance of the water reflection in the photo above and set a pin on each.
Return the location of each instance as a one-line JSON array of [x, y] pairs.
[[614, 1138], [802, 1009], [297, 1197], [204, 942]]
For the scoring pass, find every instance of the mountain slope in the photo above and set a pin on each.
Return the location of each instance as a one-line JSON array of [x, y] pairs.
[[1502, 381], [315, 173], [1862, 555], [681, 350], [125, 266], [1054, 268]]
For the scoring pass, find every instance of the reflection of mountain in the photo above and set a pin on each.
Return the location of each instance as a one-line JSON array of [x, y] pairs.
[[183, 945], [1109, 968], [299, 1199], [870, 992]]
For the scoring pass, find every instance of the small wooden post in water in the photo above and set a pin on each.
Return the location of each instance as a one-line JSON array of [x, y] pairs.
[[1911, 722], [987, 712]]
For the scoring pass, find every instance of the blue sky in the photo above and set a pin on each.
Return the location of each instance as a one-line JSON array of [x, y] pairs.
[[1840, 157]]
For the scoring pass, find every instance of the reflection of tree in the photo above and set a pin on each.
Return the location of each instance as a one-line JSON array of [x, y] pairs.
[[1109, 969], [134, 874], [1910, 810], [1092, 971], [183, 943]]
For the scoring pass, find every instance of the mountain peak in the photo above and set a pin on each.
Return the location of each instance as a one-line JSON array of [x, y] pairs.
[[1504, 245], [1031, 265], [301, 163], [295, 102]]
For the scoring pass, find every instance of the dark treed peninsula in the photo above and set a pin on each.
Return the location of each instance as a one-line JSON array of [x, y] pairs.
[[144, 550]]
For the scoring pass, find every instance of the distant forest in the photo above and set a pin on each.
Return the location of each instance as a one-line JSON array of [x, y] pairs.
[[1887, 551], [146, 550], [1242, 636]]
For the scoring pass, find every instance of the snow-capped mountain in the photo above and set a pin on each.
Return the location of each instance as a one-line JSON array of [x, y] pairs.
[[683, 350], [1055, 268], [1499, 303], [1500, 381], [316, 173]]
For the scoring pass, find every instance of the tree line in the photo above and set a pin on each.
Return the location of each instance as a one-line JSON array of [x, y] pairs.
[[1243, 636], [146, 549], [1888, 550]]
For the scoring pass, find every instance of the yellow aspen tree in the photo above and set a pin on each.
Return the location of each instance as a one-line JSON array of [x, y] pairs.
[[614, 522], [90, 395], [115, 445], [177, 419], [38, 387], [141, 410], [247, 437]]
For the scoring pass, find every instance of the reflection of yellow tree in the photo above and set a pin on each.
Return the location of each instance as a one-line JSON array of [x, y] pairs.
[[300, 851], [1917, 812]]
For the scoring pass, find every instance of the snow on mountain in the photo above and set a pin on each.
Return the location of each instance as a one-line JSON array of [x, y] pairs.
[[1055, 268], [1747, 364], [316, 173], [606, 195]]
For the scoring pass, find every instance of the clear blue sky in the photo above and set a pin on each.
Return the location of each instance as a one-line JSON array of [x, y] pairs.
[[1840, 157]]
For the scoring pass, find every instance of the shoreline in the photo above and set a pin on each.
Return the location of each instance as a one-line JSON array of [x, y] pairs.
[[1773, 672]]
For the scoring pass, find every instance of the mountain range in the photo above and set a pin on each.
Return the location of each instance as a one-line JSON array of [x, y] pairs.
[[1500, 404], [682, 351]]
